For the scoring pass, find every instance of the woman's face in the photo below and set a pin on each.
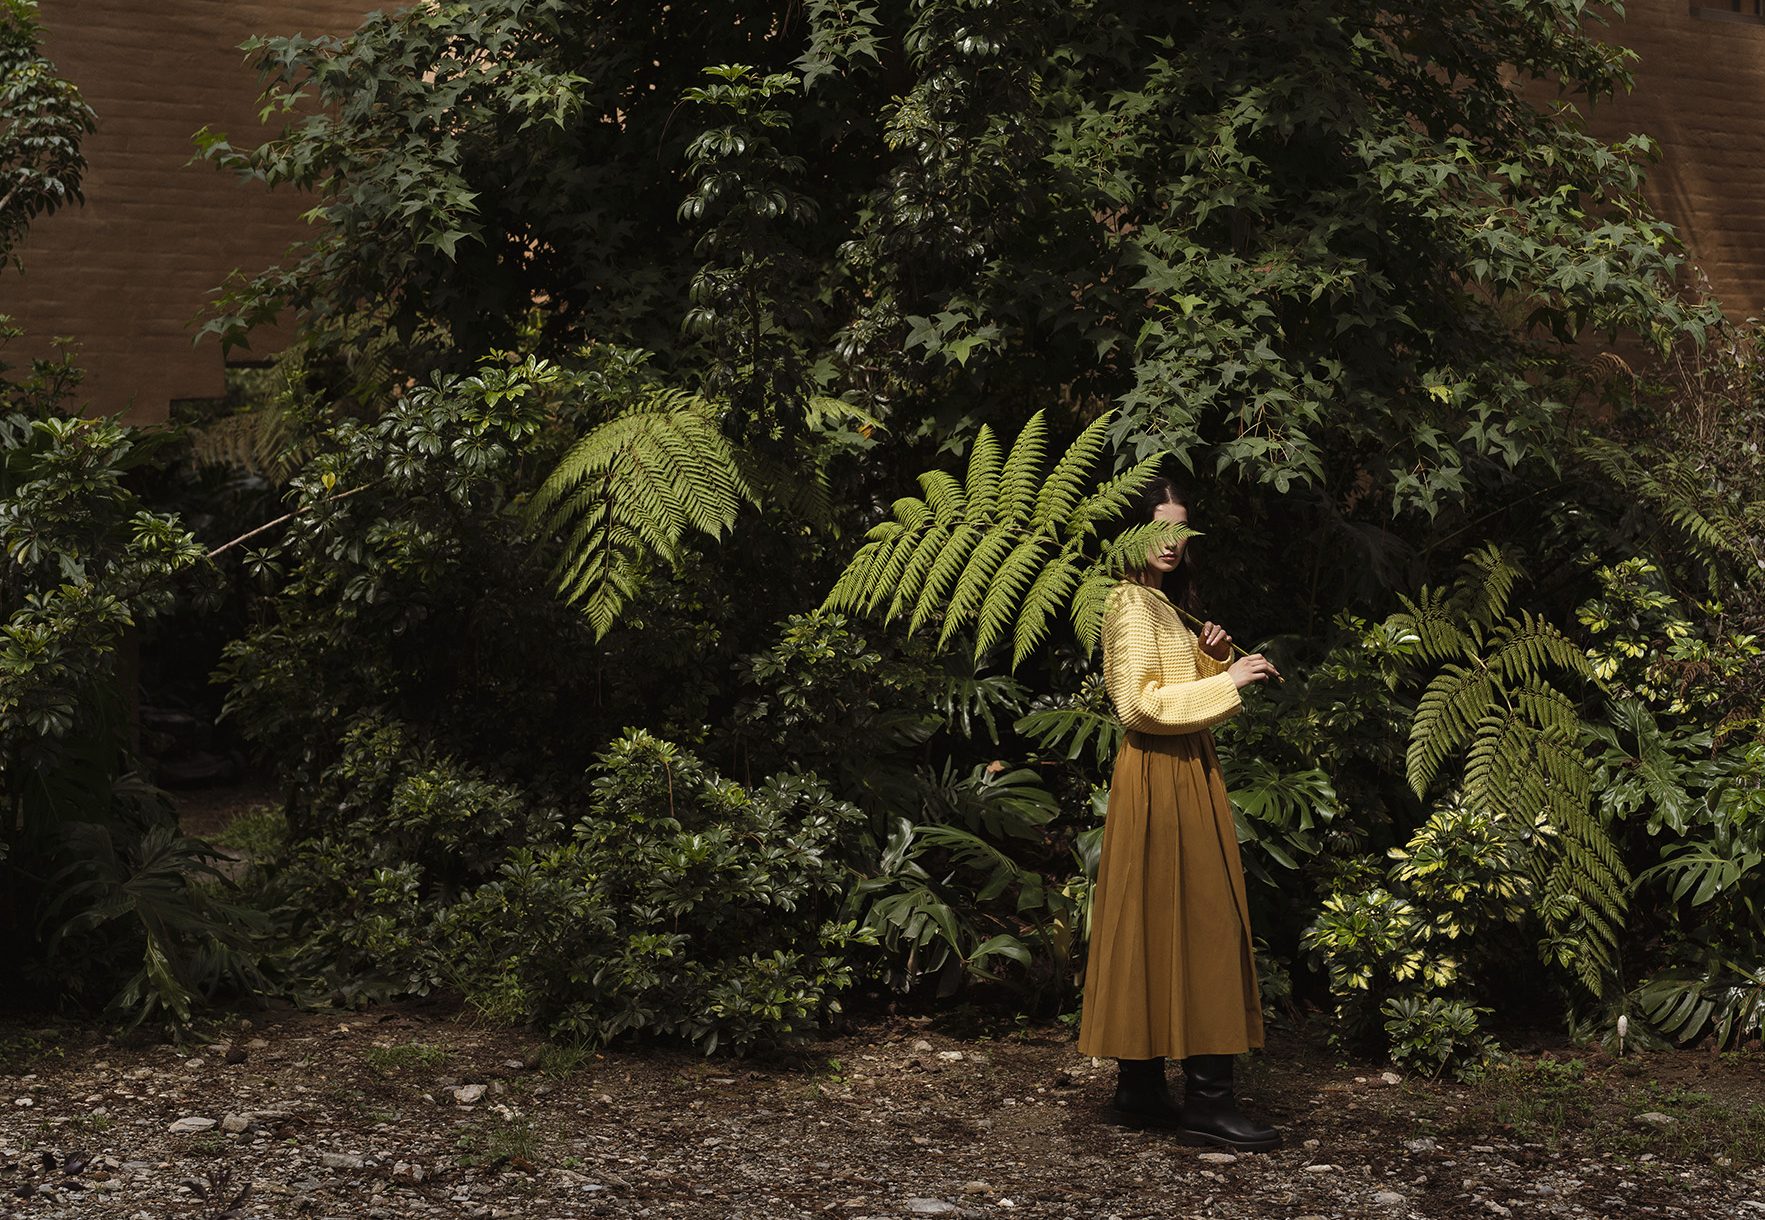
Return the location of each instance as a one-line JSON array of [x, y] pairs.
[[1165, 557]]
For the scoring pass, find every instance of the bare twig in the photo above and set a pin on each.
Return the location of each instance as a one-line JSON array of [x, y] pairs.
[[287, 517]]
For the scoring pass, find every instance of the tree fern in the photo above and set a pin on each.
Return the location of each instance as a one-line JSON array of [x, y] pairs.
[[630, 491], [1005, 550], [1491, 701]]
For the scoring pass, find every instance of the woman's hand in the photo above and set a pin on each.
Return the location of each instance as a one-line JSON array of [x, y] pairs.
[[1253, 668], [1215, 642]]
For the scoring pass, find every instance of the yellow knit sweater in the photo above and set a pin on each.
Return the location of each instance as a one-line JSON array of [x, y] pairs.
[[1158, 678]]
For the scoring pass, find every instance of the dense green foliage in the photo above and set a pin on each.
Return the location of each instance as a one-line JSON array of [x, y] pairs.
[[42, 121], [628, 330]]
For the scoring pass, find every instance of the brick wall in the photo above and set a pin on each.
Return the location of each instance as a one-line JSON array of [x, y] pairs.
[[126, 274], [1699, 84]]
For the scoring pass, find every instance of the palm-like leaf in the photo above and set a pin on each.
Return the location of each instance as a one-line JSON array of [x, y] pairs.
[[629, 492], [1003, 551]]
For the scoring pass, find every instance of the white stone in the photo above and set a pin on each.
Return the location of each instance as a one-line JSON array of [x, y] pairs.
[[950, 1056], [1391, 1078], [468, 1094], [1390, 1198], [1426, 1144], [1218, 1158], [233, 1124], [340, 1160], [922, 1045], [191, 1125], [1654, 1118], [929, 1207]]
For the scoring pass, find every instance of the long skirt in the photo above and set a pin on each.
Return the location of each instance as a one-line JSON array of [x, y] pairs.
[[1171, 971]]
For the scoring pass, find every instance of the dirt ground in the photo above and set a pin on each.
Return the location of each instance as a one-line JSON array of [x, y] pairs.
[[414, 1111]]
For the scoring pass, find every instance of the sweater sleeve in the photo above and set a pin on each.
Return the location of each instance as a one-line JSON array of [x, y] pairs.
[[1142, 698], [1207, 667]]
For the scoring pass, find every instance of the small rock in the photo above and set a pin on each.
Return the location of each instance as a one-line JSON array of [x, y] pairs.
[[1655, 1119], [923, 1045], [1311, 1143], [1426, 1144], [1389, 1198], [234, 1124], [1483, 1148], [515, 1065], [1497, 1208], [1218, 1158], [1391, 1078], [24, 1103], [468, 1094], [404, 1171], [191, 1125], [976, 1188], [929, 1207], [1320, 1169], [340, 1160], [258, 1044], [235, 1054], [950, 1056]]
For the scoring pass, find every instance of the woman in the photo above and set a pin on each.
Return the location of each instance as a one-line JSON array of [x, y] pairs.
[[1171, 972]]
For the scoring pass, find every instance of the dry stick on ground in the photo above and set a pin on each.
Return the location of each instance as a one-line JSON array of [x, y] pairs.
[[248, 535]]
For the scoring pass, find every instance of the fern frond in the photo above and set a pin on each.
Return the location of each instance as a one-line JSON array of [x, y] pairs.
[[1061, 492], [1005, 596], [977, 576], [626, 494], [1023, 471], [984, 462], [1487, 579], [1522, 649], [1433, 623], [1049, 592], [1456, 699], [1003, 548]]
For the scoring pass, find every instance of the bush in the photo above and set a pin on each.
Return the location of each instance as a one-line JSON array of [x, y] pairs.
[[679, 904], [101, 902]]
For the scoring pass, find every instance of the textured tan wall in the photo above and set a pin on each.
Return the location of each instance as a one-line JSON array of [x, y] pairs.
[[1700, 92], [127, 274]]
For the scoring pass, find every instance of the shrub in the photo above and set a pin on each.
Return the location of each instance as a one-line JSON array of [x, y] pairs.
[[678, 904], [101, 901]]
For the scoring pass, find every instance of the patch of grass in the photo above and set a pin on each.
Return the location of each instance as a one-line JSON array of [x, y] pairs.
[[21, 1052], [389, 1059], [498, 1143], [259, 834], [562, 1059], [1542, 1100]]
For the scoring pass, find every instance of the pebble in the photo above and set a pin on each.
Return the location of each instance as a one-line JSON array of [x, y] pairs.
[[1390, 1198], [1497, 1208], [1391, 1078], [191, 1125], [468, 1094], [950, 1056], [976, 1188], [1311, 1143], [923, 1046], [234, 1124], [929, 1207], [1426, 1144], [1218, 1158], [340, 1160], [1654, 1118], [1320, 1169]]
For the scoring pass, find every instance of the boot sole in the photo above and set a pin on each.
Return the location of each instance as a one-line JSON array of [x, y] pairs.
[[1141, 1122], [1203, 1139]]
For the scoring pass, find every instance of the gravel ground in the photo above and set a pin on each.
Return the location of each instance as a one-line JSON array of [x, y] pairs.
[[415, 1112]]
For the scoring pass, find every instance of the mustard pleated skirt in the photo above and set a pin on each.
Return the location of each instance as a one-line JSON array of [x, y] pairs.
[[1171, 971]]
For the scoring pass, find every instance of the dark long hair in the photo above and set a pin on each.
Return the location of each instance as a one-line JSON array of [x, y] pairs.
[[1179, 584]]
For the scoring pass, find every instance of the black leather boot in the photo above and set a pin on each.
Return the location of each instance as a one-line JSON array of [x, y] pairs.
[[1210, 1112], [1142, 1098]]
